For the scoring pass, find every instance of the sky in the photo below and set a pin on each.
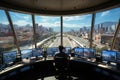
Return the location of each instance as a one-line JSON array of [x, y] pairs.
[[21, 19]]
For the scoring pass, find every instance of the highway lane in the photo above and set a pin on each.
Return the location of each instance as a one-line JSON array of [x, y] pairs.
[[82, 41], [52, 43], [55, 43], [66, 42], [85, 42]]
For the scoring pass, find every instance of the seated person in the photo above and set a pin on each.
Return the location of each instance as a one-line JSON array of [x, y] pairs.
[[61, 61]]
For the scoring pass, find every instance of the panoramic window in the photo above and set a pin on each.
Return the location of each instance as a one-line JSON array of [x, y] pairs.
[[24, 29], [47, 29], [105, 26], [6, 34], [77, 31], [117, 42]]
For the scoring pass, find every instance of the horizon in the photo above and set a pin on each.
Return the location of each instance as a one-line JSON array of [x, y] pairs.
[[66, 29], [78, 21]]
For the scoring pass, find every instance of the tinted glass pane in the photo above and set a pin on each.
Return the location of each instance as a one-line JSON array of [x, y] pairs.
[[105, 27], [6, 34], [24, 29], [77, 30], [47, 29]]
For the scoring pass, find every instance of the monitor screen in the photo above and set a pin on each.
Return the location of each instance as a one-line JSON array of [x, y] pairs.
[[52, 51], [108, 55], [37, 52], [87, 52], [79, 51], [9, 57], [26, 53], [67, 50], [118, 57], [92, 53]]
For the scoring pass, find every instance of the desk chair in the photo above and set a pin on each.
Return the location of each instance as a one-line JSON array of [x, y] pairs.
[[62, 66]]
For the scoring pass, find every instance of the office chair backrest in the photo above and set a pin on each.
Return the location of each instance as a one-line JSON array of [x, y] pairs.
[[61, 61]]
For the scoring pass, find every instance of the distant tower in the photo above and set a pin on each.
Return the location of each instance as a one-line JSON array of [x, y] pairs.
[[85, 29]]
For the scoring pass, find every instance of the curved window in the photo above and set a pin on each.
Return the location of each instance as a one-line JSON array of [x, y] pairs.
[[23, 29], [117, 42], [105, 27], [6, 34], [78, 29], [47, 27]]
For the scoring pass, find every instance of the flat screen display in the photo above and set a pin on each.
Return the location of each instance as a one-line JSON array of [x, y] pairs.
[[79, 51], [52, 51], [26, 53], [108, 55], [87, 52], [68, 50], [37, 52], [9, 57], [118, 57], [92, 53]]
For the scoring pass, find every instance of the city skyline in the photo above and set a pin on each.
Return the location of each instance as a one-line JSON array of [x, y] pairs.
[[68, 21]]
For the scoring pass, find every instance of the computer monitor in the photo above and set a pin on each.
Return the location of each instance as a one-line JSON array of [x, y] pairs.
[[118, 57], [87, 52], [79, 52], [109, 55], [92, 53], [9, 57], [68, 50], [37, 52], [51, 51], [118, 60], [26, 53]]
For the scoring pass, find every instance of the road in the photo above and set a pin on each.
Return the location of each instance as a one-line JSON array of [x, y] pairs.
[[66, 42], [56, 42]]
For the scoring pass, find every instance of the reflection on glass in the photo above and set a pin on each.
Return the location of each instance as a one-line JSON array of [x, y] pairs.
[[24, 29], [47, 29], [6, 34], [105, 26], [76, 28]]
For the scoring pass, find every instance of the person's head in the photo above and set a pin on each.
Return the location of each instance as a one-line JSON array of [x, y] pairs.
[[61, 48]]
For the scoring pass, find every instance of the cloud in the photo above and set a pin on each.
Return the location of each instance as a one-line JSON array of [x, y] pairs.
[[49, 19], [71, 25], [57, 24], [20, 16], [26, 17], [22, 22], [4, 22], [75, 25], [69, 18], [105, 13], [48, 24]]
